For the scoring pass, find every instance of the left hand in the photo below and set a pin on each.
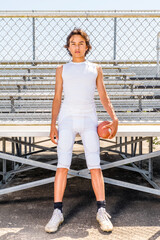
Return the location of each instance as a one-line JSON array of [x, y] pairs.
[[114, 127]]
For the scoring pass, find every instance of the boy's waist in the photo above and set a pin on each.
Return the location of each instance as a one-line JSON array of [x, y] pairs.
[[78, 107]]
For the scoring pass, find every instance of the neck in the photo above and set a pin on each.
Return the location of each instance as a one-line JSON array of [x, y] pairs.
[[78, 60]]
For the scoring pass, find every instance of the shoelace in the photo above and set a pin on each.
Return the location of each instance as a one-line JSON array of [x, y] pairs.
[[55, 216], [105, 216]]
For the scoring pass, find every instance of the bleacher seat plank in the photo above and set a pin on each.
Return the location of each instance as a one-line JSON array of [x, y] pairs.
[[52, 82], [52, 67], [49, 94], [6, 75], [146, 130]]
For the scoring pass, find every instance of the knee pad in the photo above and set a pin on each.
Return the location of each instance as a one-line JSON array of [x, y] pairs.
[[90, 141], [64, 148], [65, 140], [93, 160], [92, 148]]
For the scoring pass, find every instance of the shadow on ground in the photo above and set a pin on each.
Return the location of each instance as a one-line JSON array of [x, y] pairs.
[[24, 214]]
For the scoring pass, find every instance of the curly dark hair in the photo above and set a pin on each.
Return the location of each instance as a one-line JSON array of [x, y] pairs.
[[82, 33]]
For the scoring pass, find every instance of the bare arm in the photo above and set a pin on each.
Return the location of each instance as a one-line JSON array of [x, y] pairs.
[[56, 102], [105, 100]]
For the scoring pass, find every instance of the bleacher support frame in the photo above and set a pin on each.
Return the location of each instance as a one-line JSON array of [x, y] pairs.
[[132, 159]]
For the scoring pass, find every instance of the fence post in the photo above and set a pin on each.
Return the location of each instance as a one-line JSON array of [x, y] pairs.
[[158, 50], [115, 38], [34, 49]]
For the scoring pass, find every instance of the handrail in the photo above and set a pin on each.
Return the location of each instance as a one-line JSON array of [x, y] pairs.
[[81, 14], [34, 63]]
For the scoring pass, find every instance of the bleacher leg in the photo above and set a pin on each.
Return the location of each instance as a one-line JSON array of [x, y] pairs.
[[4, 162], [150, 161], [140, 152], [13, 153]]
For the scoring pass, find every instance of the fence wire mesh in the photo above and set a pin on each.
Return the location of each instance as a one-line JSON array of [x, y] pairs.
[[127, 48]]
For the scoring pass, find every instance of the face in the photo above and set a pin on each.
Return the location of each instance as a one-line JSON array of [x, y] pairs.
[[77, 46]]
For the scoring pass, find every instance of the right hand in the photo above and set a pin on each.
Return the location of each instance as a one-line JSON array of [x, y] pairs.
[[54, 132]]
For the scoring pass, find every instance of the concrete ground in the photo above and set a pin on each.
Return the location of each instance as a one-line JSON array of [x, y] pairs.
[[135, 215]]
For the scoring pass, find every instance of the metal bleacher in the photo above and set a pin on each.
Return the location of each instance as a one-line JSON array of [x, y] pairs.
[[31, 92], [27, 90], [26, 100]]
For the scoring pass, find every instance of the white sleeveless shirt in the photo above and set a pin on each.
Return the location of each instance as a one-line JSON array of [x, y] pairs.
[[79, 83]]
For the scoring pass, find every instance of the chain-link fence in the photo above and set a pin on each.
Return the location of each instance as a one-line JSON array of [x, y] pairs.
[[125, 44]]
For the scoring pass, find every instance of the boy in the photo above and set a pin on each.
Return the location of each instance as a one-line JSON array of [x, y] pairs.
[[77, 114]]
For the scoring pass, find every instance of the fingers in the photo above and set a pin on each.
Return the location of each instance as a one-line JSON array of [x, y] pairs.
[[54, 141], [113, 130], [107, 126], [54, 137], [112, 134]]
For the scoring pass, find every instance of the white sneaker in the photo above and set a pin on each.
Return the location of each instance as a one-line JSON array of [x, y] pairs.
[[56, 219], [103, 219]]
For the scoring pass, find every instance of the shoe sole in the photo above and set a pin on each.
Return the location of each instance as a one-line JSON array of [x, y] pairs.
[[51, 231], [105, 230]]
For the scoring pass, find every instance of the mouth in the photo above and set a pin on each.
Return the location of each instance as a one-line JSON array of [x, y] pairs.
[[77, 52]]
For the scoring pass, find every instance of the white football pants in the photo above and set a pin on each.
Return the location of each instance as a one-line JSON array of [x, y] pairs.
[[86, 126]]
